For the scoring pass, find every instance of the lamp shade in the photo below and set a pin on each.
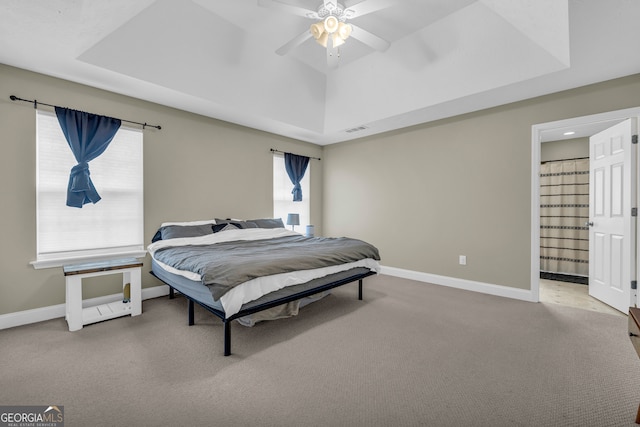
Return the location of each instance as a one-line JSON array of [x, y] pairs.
[[317, 29], [344, 30], [331, 24], [322, 40], [293, 219], [337, 40]]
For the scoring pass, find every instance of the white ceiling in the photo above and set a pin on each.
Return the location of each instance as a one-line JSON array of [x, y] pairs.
[[217, 57], [576, 131]]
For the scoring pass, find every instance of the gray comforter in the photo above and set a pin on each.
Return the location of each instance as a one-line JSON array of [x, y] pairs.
[[223, 266]]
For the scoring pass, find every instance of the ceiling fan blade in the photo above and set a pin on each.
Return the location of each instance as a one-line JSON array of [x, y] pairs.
[[294, 10], [293, 43], [367, 6], [369, 39]]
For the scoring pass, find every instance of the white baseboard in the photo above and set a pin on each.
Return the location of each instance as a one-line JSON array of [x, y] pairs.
[[54, 311], [468, 285]]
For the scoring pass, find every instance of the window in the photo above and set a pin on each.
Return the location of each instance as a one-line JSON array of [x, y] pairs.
[[283, 203], [111, 227]]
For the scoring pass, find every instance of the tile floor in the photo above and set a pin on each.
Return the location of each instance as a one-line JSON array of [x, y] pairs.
[[572, 295]]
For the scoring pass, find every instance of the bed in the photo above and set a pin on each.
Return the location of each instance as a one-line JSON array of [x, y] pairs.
[[254, 270]]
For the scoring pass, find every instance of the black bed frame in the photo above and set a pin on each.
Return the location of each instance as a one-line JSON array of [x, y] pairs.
[[263, 306]]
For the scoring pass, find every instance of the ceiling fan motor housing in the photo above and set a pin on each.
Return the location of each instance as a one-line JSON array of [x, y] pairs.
[[332, 9]]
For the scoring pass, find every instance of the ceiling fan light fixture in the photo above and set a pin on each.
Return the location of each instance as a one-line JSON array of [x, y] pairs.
[[339, 31], [336, 40], [317, 29], [344, 30], [331, 24], [322, 40]]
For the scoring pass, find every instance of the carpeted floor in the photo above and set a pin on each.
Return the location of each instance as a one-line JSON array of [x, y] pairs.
[[410, 354]]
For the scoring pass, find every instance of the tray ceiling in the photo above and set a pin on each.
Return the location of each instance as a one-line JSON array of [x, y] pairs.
[[217, 57]]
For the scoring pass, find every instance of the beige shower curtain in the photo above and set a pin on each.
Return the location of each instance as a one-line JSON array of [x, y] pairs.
[[564, 209]]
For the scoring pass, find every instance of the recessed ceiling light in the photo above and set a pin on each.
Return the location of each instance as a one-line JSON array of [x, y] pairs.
[[569, 133]]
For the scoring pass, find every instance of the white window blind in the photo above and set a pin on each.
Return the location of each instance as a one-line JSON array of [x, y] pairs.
[[114, 225], [283, 203]]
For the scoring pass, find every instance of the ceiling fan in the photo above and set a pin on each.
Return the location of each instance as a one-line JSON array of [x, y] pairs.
[[330, 28]]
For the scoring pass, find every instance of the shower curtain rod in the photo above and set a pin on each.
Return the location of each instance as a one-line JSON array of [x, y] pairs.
[[35, 105], [283, 152], [564, 160]]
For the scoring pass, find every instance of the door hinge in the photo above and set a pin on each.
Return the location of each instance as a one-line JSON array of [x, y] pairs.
[[634, 284], [634, 211], [634, 139]]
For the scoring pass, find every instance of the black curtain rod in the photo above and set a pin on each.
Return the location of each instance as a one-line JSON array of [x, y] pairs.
[[283, 152], [35, 105]]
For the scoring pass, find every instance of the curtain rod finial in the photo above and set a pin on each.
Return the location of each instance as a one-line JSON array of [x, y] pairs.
[[13, 97]]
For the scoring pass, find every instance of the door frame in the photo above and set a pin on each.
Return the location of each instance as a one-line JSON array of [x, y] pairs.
[[536, 141]]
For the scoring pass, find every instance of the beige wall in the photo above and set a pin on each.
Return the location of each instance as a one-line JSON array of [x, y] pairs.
[[194, 168], [564, 149], [423, 195], [461, 186]]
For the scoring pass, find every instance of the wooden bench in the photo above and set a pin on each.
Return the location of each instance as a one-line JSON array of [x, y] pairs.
[[77, 317]]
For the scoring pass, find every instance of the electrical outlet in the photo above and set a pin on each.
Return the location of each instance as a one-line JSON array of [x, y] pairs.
[[463, 260]]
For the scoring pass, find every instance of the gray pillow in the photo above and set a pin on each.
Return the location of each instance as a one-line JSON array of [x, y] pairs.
[[177, 231], [268, 222]]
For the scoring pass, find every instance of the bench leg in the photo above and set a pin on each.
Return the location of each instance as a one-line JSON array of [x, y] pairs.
[[73, 290], [135, 290]]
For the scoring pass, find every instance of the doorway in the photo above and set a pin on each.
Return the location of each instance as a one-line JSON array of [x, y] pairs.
[[574, 295], [586, 126], [564, 209]]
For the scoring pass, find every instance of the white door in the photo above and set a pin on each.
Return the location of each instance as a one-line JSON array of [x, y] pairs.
[[612, 227]]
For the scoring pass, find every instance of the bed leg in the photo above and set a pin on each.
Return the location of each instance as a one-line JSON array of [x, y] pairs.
[[172, 293], [191, 317], [360, 289], [227, 337]]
